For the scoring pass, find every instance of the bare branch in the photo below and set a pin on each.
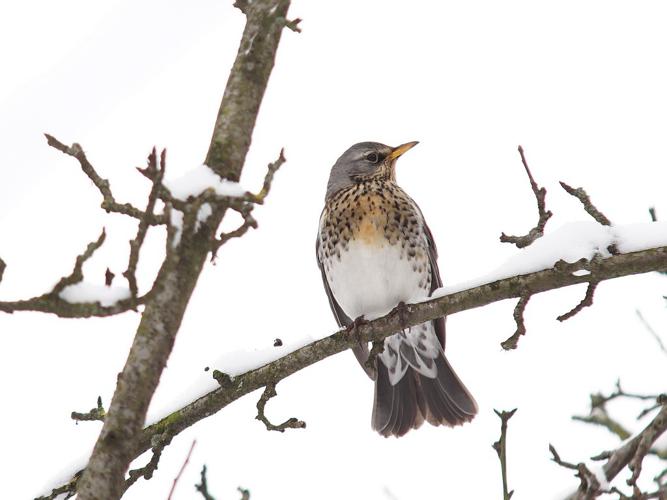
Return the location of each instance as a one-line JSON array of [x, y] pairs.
[[109, 203], [159, 443], [94, 414], [272, 168], [290, 423], [651, 331], [202, 487], [120, 437], [501, 449], [585, 200], [590, 487], [587, 301], [248, 222], [157, 174], [180, 472], [513, 341], [543, 213], [559, 276], [52, 302], [2, 268]]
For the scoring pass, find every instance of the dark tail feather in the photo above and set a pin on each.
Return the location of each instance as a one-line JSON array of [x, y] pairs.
[[443, 400], [396, 408]]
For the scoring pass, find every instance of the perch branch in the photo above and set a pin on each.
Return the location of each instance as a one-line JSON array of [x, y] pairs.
[[561, 275]]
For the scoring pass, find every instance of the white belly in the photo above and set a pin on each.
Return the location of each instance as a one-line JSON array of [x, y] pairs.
[[370, 280]]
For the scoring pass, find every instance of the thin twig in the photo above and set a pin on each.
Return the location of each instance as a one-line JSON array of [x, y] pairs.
[[157, 174], [501, 448], [513, 341], [109, 203], [587, 301], [2, 268], [202, 487], [180, 472], [94, 414], [543, 213], [272, 168], [590, 487], [158, 445], [290, 423], [585, 200], [651, 331]]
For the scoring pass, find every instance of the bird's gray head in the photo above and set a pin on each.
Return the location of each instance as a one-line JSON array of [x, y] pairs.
[[364, 161]]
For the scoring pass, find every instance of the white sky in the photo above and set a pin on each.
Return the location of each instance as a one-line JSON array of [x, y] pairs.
[[581, 85]]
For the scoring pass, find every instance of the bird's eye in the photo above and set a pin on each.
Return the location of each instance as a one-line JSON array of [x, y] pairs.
[[372, 157]]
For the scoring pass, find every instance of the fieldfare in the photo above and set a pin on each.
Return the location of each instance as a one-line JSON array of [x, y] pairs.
[[375, 252]]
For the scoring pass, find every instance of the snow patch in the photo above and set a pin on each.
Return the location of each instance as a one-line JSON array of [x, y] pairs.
[[198, 180], [571, 242], [91, 292]]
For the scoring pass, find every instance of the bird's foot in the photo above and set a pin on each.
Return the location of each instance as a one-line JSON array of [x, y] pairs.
[[353, 328], [402, 311]]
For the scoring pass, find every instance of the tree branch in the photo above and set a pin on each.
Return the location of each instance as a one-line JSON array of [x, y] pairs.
[[109, 203], [118, 442], [501, 449], [542, 212], [585, 200], [290, 423], [52, 302], [561, 275]]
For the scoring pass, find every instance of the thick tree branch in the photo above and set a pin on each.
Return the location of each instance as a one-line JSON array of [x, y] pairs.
[[559, 276], [187, 248]]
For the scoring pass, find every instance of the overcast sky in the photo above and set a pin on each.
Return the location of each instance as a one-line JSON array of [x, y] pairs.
[[581, 85]]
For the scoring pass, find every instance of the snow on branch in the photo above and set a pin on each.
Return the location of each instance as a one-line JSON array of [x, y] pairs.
[[72, 297]]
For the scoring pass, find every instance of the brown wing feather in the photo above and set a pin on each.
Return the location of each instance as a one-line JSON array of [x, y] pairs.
[[436, 281]]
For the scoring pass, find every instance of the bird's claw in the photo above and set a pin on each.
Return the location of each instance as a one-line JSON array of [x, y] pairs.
[[402, 311], [353, 328]]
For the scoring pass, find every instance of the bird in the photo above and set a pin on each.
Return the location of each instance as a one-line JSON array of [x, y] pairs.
[[376, 252]]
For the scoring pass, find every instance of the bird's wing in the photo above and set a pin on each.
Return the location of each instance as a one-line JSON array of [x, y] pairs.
[[361, 350], [436, 281]]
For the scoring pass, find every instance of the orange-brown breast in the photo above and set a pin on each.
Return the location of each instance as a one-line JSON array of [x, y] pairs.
[[371, 217]]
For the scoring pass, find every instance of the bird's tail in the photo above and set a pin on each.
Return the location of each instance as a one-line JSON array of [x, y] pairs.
[[442, 400]]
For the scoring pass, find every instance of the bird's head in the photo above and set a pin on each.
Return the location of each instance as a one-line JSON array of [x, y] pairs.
[[364, 161]]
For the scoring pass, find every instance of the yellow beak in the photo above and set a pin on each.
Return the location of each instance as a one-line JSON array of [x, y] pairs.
[[398, 151]]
